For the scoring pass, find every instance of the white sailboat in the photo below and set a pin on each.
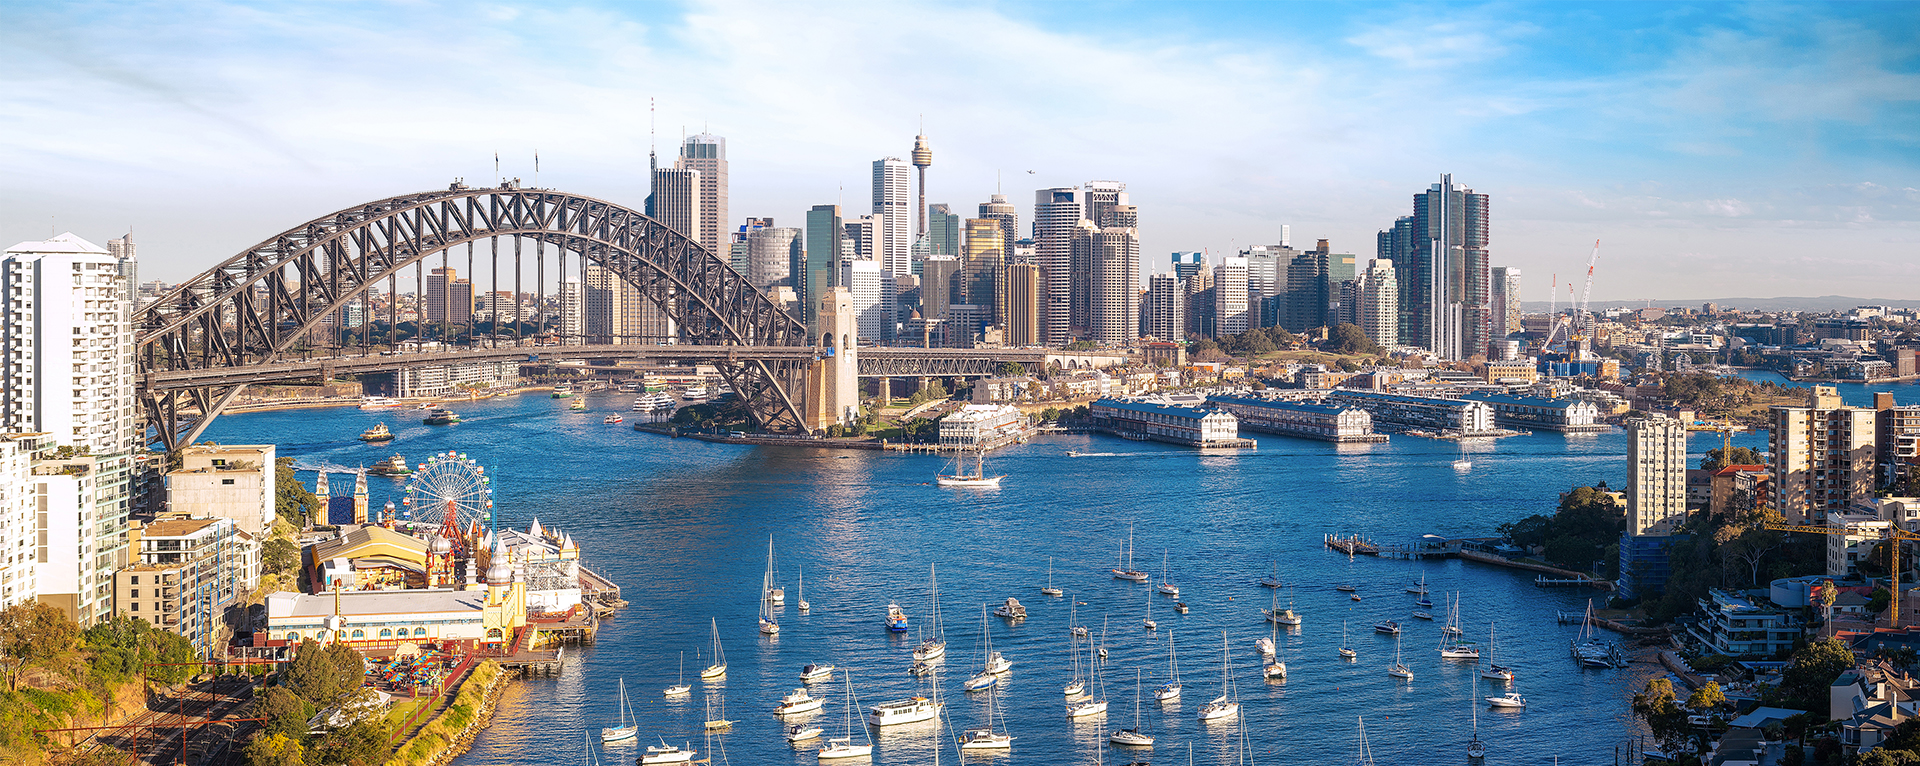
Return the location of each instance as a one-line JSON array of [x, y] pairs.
[[1346, 650], [1272, 580], [1452, 648], [1366, 754], [987, 738], [719, 666], [804, 606], [772, 593], [719, 721], [935, 644], [1077, 686], [1096, 703], [1348, 586], [842, 746], [1476, 750], [623, 727], [1226, 705], [1495, 671], [1166, 586], [1398, 669], [1275, 668], [1462, 463], [1133, 737], [1170, 690], [1128, 573], [769, 614], [1279, 616], [986, 678], [681, 686], [961, 477], [1421, 587], [1148, 623], [1050, 590]]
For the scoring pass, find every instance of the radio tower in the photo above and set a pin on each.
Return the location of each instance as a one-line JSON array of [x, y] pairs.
[[922, 159]]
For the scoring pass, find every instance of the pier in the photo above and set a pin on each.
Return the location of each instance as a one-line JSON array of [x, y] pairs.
[[1352, 545]]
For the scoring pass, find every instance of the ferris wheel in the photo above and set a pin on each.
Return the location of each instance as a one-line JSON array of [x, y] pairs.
[[449, 486]]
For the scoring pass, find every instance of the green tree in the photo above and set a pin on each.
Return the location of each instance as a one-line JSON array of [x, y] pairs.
[[363, 743], [1804, 681], [324, 675], [292, 500], [276, 750], [1714, 461], [286, 713], [1708, 697], [279, 556], [1528, 532], [1348, 338], [1012, 370], [1665, 718], [34, 633]]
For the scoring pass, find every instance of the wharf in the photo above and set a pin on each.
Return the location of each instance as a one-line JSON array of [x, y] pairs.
[[529, 661], [1352, 545]]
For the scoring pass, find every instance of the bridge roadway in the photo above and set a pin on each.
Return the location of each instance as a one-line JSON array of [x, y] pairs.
[[874, 362]]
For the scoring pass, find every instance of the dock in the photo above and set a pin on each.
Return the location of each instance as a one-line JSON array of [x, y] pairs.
[[1352, 545], [1544, 581]]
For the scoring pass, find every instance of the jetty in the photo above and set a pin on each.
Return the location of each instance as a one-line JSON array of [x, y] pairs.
[[1352, 545]]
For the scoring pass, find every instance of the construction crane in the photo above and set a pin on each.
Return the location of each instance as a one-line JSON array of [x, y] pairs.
[[1892, 534], [1585, 318]]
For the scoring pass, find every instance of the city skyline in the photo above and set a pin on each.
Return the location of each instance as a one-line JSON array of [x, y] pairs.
[[1766, 149]]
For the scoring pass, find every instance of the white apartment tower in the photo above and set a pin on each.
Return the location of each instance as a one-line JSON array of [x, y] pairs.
[[1378, 312], [864, 282], [1656, 475], [19, 525], [68, 374], [1114, 289], [1230, 296], [1056, 217], [893, 215], [1166, 308]]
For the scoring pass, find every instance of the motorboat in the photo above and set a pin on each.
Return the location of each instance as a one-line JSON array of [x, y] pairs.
[[1388, 627], [920, 669], [1264, 644], [801, 732], [1345, 588], [1354, 596], [393, 466], [440, 417], [1180, 606], [694, 394], [665, 753], [378, 433], [612, 419], [817, 672], [798, 702], [896, 619], [623, 728], [378, 403], [911, 710], [1508, 700], [996, 663], [1011, 610]]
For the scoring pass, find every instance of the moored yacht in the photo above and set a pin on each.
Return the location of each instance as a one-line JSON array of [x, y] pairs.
[[798, 702], [911, 710], [817, 672]]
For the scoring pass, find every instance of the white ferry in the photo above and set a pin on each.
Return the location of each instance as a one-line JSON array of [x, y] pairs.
[[378, 403], [694, 394], [903, 711]]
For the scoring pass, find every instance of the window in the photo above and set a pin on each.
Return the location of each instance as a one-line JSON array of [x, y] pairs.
[[134, 580], [293, 636], [421, 632], [386, 633], [135, 593], [359, 634], [226, 481], [136, 607]]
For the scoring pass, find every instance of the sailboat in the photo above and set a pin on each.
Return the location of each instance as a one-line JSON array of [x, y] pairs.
[[1494, 671], [1077, 686], [1050, 590], [961, 477], [770, 597], [935, 644], [1366, 754], [1452, 648], [804, 606], [1170, 690], [624, 727], [1129, 573], [1095, 704], [1421, 587], [1148, 623], [1223, 706], [1462, 463], [842, 746], [680, 687], [718, 721], [1476, 750], [1165, 586], [1346, 650], [1348, 586], [1272, 580], [1275, 667], [986, 678], [986, 738], [719, 666], [1279, 616], [1398, 669], [1133, 737]]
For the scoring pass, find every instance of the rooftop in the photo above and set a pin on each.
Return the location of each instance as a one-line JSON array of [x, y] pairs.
[[374, 602], [176, 527]]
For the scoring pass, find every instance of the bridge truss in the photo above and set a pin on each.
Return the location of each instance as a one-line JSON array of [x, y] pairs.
[[291, 298]]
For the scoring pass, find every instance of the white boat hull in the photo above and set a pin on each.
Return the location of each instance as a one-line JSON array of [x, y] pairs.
[[796, 708], [1084, 709], [679, 689], [1130, 738], [1169, 590], [804, 733], [929, 650], [902, 713], [845, 751], [618, 733], [1214, 711], [714, 671], [963, 481], [985, 740], [1168, 693]]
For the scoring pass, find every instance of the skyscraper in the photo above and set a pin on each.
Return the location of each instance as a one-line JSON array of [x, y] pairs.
[[943, 231], [1379, 311], [122, 250], [1230, 296], [1185, 265], [1017, 303], [998, 209], [892, 240], [1656, 475], [864, 282], [1450, 234], [1822, 455], [940, 276], [616, 312], [69, 374], [1114, 291], [707, 153], [1166, 308], [1267, 286], [449, 299], [825, 232], [1504, 302], [771, 251], [676, 202], [985, 253], [1395, 245], [923, 159], [1057, 214], [573, 311]]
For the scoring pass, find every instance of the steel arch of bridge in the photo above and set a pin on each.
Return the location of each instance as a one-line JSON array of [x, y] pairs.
[[257, 306]]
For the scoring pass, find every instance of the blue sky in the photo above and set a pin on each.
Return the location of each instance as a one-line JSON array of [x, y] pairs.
[[1717, 150]]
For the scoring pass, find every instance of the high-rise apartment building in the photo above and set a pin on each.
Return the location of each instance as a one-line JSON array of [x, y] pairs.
[[449, 299], [1201, 308], [1656, 475], [1113, 277], [1504, 303], [1448, 259], [1166, 308], [1378, 312], [573, 308], [771, 251], [1395, 245], [189, 572], [999, 210], [1823, 456], [614, 311], [865, 282], [1017, 303], [892, 216], [825, 234], [19, 518], [1230, 296], [1057, 214], [980, 262], [707, 154], [68, 373]]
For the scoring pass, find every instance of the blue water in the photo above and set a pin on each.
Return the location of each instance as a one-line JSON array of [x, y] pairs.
[[682, 526], [1853, 394]]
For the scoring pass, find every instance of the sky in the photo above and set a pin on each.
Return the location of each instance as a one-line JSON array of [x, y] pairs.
[[1714, 150]]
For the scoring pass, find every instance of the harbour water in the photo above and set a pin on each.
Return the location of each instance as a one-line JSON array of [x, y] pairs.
[[682, 526]]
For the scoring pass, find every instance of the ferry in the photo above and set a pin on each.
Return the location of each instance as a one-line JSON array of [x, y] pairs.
[[378, 403], [630, 387], [695, 394], [612, 419], [441, 417], [393, 466], [563, 392], [653, 403], [378, 433], [896, 619], [903, 711]]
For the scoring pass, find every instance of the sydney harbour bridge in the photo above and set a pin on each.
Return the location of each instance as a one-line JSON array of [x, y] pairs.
[[253, 319]]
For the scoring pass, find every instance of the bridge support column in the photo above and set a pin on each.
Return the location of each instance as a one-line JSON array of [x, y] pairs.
[[886, 392], [833, 380]]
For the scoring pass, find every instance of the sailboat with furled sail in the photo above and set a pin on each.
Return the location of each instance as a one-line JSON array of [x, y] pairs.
[[962, 477], [935, 644], [768, 622]]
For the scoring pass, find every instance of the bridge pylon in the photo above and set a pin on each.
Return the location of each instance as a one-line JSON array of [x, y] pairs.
[[833, 380]]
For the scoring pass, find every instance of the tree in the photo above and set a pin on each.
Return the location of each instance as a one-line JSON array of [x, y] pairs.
[[324, 675], [1707, 697], [276, 750], [1664, 717], [1714, 461], [292, 500], [285, 712], [1013, 370], [34, 633], [279, 556], [1528, 532], [1348, 338], [1804, 681]]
